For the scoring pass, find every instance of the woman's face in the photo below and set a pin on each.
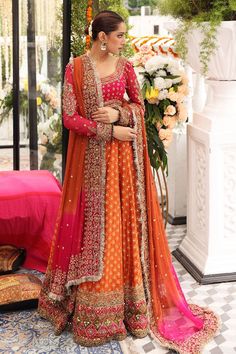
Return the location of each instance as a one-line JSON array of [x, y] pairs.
[[116, 39]]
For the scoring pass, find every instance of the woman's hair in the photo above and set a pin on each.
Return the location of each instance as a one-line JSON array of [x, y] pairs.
[[106, 21]]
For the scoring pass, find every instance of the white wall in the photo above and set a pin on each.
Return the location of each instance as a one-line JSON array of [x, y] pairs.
[[144, 25]]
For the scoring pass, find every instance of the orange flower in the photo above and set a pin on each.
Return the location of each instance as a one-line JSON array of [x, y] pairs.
[[89, 17]]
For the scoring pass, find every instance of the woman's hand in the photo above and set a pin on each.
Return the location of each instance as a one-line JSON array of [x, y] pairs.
[[106, 115], [124, 133]]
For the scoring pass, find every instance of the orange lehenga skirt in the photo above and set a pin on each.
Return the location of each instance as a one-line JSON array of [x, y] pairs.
[[106, 308]]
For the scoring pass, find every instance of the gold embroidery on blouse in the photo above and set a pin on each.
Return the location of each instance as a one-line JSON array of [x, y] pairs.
[[69, 99]]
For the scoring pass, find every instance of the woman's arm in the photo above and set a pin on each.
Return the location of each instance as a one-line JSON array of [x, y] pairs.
[[135, 96], [71, 118]]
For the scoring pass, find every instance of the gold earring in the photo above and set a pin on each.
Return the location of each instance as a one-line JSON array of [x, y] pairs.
[[103, 46]]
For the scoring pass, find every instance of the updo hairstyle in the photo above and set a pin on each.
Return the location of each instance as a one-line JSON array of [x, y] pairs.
[[105, 21]]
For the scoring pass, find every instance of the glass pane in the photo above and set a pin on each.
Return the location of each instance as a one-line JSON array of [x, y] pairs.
[[40, 59], [40, 39], [6, 127]]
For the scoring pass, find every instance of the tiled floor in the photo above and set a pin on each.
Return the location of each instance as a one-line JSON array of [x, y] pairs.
[[25, 332]]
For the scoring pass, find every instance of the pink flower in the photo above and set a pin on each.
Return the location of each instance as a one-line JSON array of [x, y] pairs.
[[170, 110], [167, 142], [182, 113], [173, 96], [145, 58], [162, 133], [165, 133], [183, 89], [145, 49], [169, 134], [166, 120], [136, 60], [181, 98], [184, 79], [172, 122], [158, 126], [166, 136], [54, 103]]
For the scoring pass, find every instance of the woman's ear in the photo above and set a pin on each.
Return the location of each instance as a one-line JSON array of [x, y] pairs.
[[102, 36]]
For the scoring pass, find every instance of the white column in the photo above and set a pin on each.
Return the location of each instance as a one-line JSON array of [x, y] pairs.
[[177, 162], [209, 248], [177, 177]]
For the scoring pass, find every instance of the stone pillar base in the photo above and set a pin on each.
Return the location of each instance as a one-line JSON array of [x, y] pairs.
[[198, 275]]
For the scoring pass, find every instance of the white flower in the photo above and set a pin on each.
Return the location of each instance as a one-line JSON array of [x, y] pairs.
[[45, 88], [155, 63], [170, 110], [168, 83], [175, 71], [161, 73], [177, 80], [159, 83], [47, 128], [40, 128], [90, 29], [162, 95]]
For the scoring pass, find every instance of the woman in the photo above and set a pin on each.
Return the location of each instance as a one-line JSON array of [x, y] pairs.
[[110, 267]]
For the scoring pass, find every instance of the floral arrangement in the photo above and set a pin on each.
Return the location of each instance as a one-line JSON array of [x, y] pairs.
[[148, 46], [50, 138], [142, 56], [50, 133], [47, 100], [164, 88], [49, 126], [48, 94]]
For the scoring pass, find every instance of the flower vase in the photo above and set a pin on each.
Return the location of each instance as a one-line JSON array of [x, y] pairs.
[[209, 248]]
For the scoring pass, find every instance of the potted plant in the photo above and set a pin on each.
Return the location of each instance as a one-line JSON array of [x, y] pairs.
[[203, 22]]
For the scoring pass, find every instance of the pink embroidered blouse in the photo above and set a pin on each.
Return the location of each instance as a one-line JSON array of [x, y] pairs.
[[114, 87]]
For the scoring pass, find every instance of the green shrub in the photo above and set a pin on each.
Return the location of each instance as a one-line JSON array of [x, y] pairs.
[[206, 15]]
